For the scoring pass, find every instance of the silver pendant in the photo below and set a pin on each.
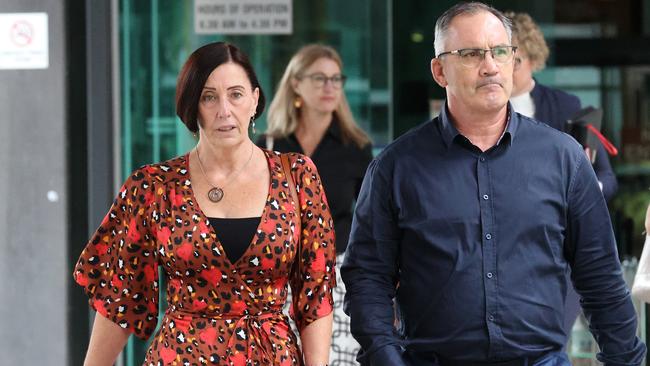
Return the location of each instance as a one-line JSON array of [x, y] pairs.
[[215, 194]]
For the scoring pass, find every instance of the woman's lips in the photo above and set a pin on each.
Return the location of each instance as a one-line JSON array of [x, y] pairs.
[[226, 128]]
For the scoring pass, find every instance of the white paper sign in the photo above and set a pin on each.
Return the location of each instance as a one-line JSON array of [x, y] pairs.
[[23, 41], [243, 16]]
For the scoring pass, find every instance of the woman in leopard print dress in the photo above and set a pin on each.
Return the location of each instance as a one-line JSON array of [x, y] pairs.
[[221, 223]]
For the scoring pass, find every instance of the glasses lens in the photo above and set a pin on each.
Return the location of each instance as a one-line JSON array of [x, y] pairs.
[[318, 80], [337, 81], [471, 57], [502, 54]]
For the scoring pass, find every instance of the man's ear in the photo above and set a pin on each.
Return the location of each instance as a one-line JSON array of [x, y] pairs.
[[438, 72]]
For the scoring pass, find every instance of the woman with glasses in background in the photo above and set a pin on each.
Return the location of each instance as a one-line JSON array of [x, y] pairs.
[[310, 115]]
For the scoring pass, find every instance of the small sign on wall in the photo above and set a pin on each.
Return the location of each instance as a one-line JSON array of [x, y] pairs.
[[243, 16], [23, 41]]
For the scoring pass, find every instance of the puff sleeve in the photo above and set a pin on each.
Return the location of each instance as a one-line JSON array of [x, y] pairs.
[[313, 276], [118, 267]]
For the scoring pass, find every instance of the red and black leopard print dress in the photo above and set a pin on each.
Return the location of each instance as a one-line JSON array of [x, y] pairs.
[[219, 313]]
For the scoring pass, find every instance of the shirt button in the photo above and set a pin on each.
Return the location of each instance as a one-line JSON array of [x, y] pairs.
[[482, 158], [488, 236], [485, 196], [489, 275], [491, 318]]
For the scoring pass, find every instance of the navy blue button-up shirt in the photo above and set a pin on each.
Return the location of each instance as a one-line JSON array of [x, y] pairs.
[[475, 247]]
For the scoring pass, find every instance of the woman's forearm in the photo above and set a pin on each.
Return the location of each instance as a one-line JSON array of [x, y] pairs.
[[106, 342], [316, 339]]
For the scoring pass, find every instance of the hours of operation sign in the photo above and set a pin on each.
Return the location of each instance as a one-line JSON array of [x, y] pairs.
[[243, 16]]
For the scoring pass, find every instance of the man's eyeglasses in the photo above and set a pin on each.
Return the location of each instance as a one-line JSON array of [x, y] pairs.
[[472, 57], [318, 80]]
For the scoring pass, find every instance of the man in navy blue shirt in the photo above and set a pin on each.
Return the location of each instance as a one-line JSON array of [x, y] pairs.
[[469, 223]]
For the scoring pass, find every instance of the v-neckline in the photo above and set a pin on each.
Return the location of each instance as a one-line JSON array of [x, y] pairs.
[[264, 216], [302, 149]]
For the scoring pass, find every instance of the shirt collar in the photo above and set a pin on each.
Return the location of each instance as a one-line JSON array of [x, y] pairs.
[[334, 129], [449, 131]]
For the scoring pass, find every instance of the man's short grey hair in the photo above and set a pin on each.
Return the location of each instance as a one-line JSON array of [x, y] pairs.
[[471, 8]]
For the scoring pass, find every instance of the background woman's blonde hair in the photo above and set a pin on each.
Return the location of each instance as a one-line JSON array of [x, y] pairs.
[[530, 39], [283, 115]]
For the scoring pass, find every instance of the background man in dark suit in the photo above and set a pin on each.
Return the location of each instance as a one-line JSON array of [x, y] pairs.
[[551, 106]]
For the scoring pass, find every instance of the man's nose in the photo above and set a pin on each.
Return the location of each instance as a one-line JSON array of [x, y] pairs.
[[489, 65]]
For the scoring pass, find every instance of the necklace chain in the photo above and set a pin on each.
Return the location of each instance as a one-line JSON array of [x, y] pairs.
[[216, 193]]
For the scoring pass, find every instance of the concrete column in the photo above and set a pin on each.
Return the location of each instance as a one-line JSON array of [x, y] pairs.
[[34, 268]]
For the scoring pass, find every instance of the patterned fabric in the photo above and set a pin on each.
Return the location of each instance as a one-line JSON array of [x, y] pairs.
[[220, 313]]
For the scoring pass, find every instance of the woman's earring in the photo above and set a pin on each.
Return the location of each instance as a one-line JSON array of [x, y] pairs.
[[253, 124], [297, 102], [198, 125]]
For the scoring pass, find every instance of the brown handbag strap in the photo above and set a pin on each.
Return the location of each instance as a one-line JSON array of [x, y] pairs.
[[286, 169]]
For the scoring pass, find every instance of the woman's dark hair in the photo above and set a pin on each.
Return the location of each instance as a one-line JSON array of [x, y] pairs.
[[195, 72]]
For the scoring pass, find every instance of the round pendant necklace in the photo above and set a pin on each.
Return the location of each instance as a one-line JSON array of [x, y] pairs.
[[215, 194]]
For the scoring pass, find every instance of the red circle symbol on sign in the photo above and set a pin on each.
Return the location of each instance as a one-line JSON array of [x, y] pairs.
[[21, 33]]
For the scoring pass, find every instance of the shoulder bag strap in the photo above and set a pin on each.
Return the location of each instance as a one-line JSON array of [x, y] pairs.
[[286, 169]]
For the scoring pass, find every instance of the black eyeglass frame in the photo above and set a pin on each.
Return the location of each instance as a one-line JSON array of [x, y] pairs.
[[331, 79]]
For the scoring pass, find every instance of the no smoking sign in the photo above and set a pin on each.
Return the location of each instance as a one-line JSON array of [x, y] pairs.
[[22, 33], [23, 41]]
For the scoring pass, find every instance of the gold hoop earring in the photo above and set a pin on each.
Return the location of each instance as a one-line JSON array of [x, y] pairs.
[[297, 102]]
